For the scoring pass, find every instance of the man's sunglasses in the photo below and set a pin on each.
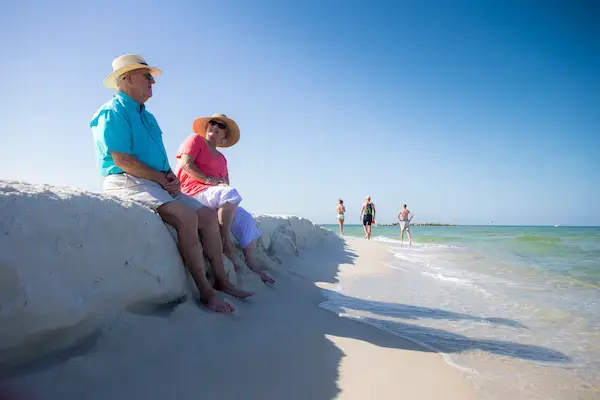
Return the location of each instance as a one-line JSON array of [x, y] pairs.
[[221, 125], [146, 75], [149, 76]]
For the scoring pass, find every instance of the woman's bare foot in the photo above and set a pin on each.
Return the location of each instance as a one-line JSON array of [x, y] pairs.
[[239, 293], [232, 290], [232, 259], [214, 303], [266, 278]]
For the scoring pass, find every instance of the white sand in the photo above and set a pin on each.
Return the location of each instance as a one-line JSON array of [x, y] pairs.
[[278, 345]]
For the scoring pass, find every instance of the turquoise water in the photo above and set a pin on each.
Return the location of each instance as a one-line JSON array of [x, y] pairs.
[[569, 251], [500, 302]]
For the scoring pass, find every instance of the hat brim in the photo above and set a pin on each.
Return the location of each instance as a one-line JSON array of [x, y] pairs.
[[111, 80], [233, 130]]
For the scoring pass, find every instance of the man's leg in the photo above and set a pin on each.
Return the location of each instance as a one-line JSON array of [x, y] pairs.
[[253, 265], [182, 218], [213, 248], [409, 238], [401, 236]]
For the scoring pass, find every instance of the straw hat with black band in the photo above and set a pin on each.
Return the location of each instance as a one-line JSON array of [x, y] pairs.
[[126, 63], [233, 130]]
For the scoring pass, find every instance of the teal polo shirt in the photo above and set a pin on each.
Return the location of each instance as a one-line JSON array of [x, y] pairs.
[[124, 126]]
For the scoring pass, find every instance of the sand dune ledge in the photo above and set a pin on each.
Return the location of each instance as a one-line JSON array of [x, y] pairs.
[[95, 303]]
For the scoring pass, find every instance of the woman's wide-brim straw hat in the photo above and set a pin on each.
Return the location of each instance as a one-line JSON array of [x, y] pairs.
[[233, 130], [126, 63]]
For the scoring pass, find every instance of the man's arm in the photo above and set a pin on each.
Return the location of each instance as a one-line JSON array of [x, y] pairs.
[[189, 166], [135, 167], [114, 131], [374, 212]]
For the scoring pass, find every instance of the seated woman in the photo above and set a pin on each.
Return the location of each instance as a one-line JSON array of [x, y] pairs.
[[203, 173]]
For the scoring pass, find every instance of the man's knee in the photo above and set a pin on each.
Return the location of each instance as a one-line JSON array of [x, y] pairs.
[[206, 215], [178, 215]]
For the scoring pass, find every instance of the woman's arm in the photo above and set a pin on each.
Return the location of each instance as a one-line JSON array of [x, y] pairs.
[[188, 165]]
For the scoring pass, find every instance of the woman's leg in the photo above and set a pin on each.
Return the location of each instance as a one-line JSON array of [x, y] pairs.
[[253, 264], [225, 216], [342, 227], [224, 200]]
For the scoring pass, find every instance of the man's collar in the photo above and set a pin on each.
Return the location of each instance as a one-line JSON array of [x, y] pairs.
[[129, 102]]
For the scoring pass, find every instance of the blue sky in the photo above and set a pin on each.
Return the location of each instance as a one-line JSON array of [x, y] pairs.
[[467, 111]]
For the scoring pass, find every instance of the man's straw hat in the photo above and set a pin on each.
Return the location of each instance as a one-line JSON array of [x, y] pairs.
[[233, 131], [126, 63]]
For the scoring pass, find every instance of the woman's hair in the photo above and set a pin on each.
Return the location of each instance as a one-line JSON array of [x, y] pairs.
[[341, 201]]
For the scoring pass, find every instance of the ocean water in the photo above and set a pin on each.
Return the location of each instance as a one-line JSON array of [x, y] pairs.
[[516, 309]]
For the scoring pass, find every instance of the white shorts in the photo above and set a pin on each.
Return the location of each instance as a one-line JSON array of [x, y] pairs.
[[244, 227], [215, 196], [144, 191], [404, 226]]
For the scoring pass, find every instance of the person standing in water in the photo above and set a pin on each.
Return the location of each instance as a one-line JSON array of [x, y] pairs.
[[405, 216], [340, 215], [367, 213]]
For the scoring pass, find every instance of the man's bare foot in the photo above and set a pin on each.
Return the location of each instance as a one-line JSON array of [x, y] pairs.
[[266, 278], [214, 303]]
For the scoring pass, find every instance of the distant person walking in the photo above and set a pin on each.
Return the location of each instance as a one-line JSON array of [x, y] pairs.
[[405, 216], [367, 213], [340, 215]]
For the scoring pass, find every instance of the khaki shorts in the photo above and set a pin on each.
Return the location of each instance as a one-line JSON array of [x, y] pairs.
[[143, 191]]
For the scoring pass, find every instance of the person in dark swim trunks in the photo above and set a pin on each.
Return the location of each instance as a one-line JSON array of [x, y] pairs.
[[367, 213]]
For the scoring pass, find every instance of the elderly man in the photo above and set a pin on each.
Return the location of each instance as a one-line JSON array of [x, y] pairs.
[[135, 165]]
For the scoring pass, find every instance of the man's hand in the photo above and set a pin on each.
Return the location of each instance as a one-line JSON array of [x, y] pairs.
[[173, 186]]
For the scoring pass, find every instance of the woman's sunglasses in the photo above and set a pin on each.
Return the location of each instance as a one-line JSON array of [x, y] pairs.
[[221, 125]]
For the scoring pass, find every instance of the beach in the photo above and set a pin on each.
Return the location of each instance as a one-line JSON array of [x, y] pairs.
[[102, 308], [279, 344]]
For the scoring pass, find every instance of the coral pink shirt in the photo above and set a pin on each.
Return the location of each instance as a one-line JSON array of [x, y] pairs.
[[212, 165]]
